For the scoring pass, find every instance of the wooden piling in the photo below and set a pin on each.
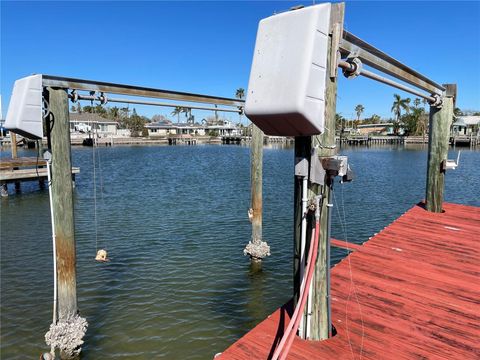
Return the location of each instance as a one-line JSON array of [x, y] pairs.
[[438, 141], [13, 140], [256, 248], [256, 182], [320, 317], [62, 203]]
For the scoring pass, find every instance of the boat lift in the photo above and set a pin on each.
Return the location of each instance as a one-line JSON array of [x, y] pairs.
[[291, 92]]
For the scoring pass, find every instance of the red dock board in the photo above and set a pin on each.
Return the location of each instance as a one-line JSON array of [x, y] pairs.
[[410, 292]]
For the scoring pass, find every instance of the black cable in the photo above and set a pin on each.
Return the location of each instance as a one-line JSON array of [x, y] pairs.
[[38, 156]]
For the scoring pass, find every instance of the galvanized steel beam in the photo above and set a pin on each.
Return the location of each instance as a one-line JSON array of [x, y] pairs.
[[352, 67], [154, 103], [90, 85], [352, 46]]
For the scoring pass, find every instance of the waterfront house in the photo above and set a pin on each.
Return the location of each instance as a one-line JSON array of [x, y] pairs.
[[377, 129], [161, 128], [167, 128], [84, 122], [466, 125], [190, 129], [223, 128]]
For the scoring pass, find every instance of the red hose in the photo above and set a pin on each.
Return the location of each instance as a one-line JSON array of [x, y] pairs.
[[283, 348]]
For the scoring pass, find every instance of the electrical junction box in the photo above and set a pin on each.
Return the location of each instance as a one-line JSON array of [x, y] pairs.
[[286, 90], [337, 165], [24, 114]]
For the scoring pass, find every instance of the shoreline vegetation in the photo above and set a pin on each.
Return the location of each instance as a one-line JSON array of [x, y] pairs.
[[108, 126]]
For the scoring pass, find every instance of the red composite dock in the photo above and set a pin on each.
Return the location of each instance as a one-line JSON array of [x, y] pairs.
[[410, 292]]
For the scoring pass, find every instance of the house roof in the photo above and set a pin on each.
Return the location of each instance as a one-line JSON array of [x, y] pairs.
[[375, 125], [90, 117], [469, 120], [160, 125]]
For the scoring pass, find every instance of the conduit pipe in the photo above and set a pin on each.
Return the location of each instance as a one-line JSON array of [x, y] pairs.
[[104, 100], [283, 348], [355, 69], [310, 290], [303, 239], [329, 229]]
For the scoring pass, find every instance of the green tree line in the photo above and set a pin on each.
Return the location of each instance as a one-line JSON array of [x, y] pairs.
[[410, 115]]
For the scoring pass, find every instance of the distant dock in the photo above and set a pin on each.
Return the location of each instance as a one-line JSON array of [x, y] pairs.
[[410, 292], [22, 169]]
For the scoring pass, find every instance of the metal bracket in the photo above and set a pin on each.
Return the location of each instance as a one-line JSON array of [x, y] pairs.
[[320, 167], [335, 55], [335, 165], [301, 167], [450, 164], [47, 155], [74, 96], [317, 172], [438, 101], [103, 98], [357, 68]]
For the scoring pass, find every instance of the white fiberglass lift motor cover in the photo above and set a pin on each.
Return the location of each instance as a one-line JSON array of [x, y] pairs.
[[25, 115], [286, 90]]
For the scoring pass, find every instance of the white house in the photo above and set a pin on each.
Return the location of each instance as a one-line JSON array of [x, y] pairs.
[[161, 128], [466, 125], [84, 122]]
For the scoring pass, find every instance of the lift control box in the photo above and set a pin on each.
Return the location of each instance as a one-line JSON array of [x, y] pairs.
[[286, 90], [24, 114]]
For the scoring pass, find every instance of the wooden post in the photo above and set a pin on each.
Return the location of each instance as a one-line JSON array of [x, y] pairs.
[[62, 203], [440, 121], [256, 183], [320, 318], [13, 139], [256, 248]]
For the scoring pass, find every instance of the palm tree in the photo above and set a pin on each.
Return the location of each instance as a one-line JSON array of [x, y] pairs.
[[398, 105], [240, 94], [359, 110], [416, 102], [176, 111], [188, 114], [114, 113]]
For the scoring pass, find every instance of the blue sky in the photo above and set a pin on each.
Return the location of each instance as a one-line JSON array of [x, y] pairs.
[[207, 47]]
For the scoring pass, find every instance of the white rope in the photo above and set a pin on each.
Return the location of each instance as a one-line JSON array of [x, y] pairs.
[[94, 194], [54, 248], [343, 223]]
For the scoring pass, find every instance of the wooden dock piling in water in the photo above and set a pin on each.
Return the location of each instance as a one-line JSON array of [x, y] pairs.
[[62, 198], [438, 143], [257, 249]]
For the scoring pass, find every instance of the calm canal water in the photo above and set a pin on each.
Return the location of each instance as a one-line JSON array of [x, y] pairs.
[[174, 220]]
